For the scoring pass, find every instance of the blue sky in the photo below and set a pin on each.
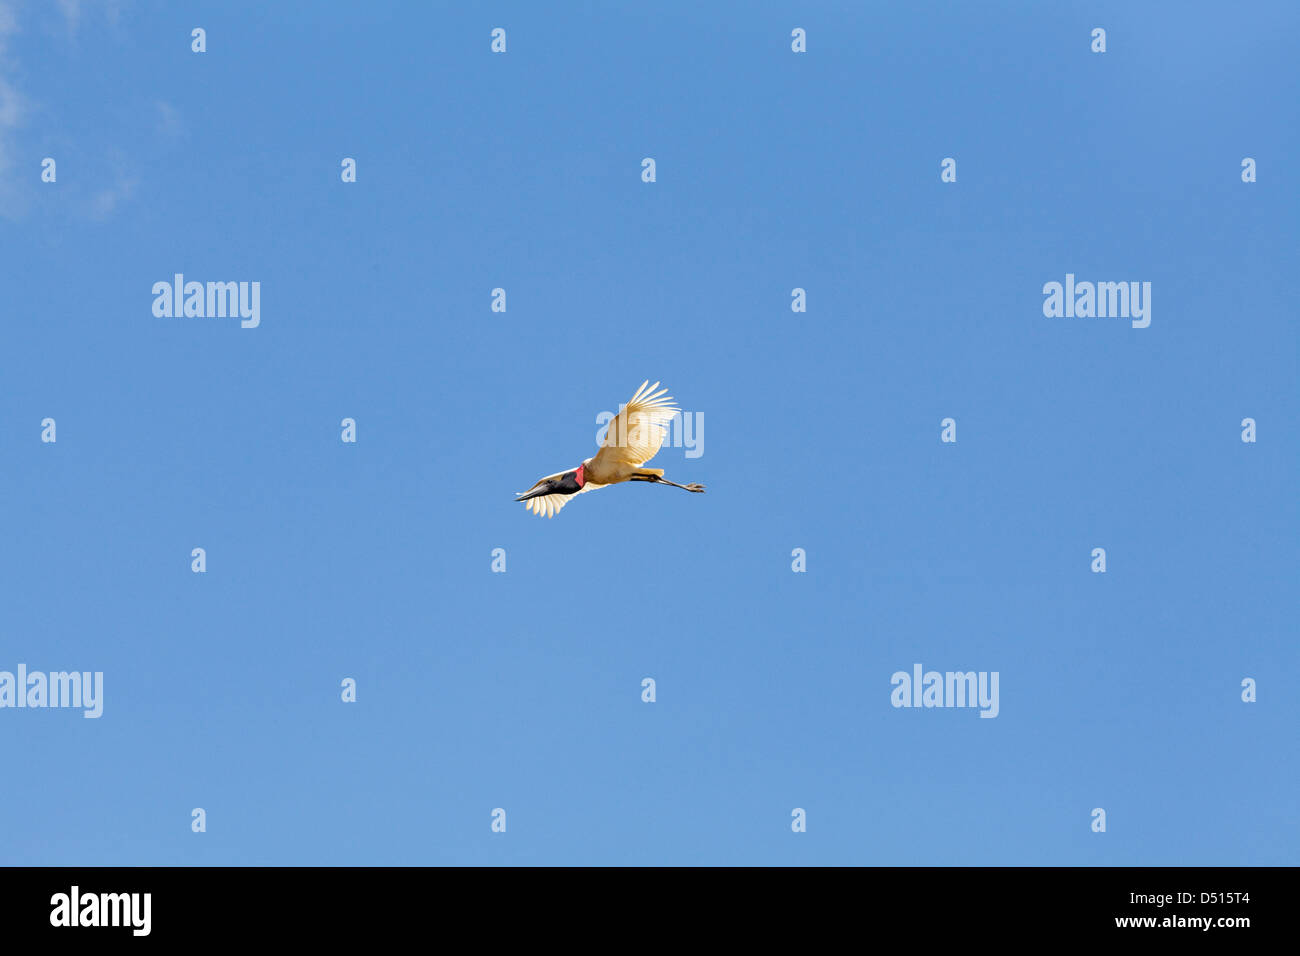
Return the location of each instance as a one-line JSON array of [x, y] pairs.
[[522, 690]]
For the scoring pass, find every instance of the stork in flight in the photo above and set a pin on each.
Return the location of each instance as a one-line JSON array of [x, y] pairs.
[[633, 438]]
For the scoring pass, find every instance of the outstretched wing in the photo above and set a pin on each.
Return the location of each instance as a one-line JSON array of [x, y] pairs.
[[637, 434], [548, 505]]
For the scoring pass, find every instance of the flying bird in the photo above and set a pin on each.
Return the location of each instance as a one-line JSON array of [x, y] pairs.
[[633, 438]]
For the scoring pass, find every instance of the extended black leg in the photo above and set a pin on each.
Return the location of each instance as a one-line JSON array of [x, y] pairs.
[[693, 486]]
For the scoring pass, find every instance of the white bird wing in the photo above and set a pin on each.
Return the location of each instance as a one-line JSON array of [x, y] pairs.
[[637, 433]]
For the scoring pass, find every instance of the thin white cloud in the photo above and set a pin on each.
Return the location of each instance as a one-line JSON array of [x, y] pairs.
[[20, 167], [109, 10], [8, 23], [71, 10], [13, 107], [106, 201], [169, 120]]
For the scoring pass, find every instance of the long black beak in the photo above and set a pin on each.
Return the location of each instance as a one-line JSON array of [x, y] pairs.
[[544, 490]]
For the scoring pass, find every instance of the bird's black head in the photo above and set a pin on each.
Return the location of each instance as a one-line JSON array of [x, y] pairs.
[[569, 483]]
